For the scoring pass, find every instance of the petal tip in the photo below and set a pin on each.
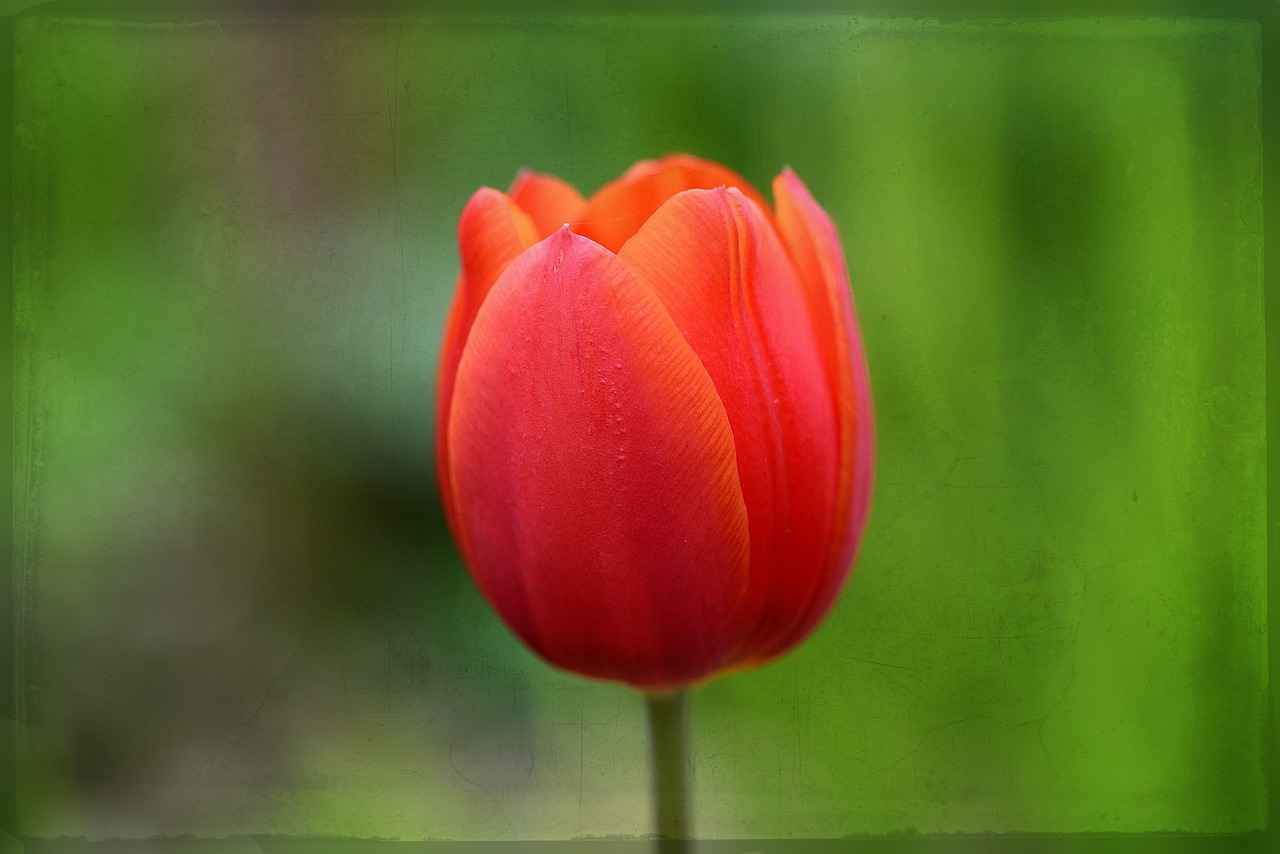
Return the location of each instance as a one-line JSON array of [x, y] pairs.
[[564, 237], [523, 174], [479, 197], [792, 182]]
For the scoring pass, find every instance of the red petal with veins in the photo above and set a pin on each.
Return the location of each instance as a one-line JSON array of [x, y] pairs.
[[492, 231], [718, 266], [811, 239], [592, 464]]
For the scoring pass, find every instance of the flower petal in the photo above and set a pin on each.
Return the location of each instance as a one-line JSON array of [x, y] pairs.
[[492, 231], [548, 200], [719, 267], [811, 239], [594, 472], [619, 208]]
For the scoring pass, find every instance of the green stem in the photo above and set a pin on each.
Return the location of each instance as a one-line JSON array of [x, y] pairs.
[[667, 762]]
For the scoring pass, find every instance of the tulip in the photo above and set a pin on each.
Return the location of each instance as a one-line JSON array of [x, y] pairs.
[[654, 436]]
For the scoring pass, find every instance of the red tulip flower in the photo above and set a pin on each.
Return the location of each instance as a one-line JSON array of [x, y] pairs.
[[654, 435]]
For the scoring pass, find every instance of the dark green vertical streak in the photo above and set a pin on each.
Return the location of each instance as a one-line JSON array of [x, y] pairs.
[[1214, 190], [667, 767], [1269, 110], [8, 759]]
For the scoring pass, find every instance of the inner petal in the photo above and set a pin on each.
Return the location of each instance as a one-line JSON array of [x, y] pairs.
[[619, 208]]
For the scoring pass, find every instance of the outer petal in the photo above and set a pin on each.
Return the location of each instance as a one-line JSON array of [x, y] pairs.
[[811, 239], [492, 231], [593, 470], [717, 264], [548, 200], [619, 208]]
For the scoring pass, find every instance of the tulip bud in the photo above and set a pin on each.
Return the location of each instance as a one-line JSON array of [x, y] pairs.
[[654, 437]]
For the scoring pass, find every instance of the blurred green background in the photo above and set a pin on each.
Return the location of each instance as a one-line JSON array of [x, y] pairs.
[[240, 611]]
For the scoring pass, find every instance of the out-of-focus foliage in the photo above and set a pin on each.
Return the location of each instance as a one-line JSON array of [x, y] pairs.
[[241, 613]]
